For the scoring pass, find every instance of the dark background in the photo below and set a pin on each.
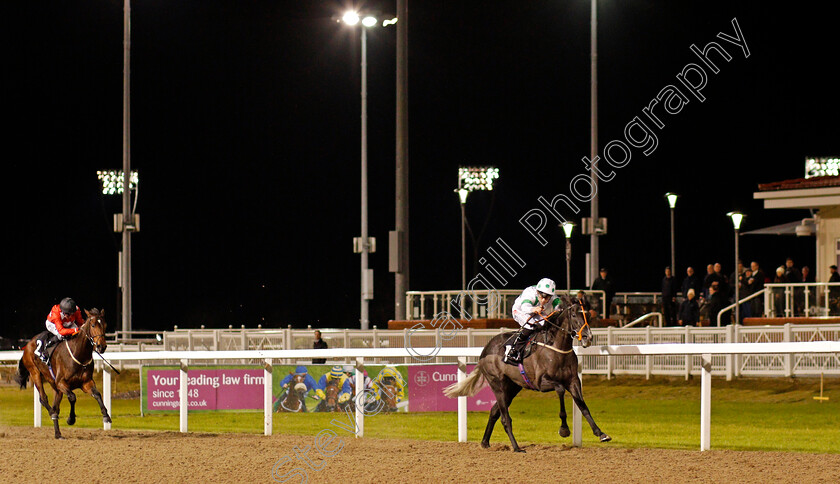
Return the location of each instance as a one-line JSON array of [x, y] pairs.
[[245, 132]]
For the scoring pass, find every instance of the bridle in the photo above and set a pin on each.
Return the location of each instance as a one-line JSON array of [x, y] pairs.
[[570, 332]]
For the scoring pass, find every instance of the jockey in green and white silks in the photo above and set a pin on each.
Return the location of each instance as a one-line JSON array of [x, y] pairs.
[[529, 309]]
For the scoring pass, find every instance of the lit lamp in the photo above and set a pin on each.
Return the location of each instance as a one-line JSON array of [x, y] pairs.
[[736, 217], [364, 244], [672, 202], [567, 229], [471, 179]]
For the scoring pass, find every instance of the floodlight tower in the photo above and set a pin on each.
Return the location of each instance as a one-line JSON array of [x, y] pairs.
[[113, 183], [471, 179]]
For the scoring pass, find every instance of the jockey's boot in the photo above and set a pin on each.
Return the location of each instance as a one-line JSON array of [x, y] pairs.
[[513, 353], [49, 341]]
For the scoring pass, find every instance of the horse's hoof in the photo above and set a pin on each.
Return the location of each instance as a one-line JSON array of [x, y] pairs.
[[71, 421], [519, 450], [58, 437], [106, 419], [565, 432], [485, 445], [605, 438]]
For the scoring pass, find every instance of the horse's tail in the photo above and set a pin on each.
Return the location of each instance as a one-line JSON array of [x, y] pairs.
[[22, 374], [466, 388]]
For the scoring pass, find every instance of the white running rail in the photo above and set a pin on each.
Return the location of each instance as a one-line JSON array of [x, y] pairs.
[[704, 350]]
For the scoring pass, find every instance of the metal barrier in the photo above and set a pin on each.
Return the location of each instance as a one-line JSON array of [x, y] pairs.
[[494, 304], [703, 351], [802, 299]]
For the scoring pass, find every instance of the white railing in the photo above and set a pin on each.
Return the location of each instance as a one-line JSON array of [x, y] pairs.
[[704, 351], [495, 304], [802, 299]]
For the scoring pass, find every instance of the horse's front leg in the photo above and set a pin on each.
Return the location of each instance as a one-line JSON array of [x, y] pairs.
[[564, 427], [71, 397], [55, 411], [577, 395], [89, 387]]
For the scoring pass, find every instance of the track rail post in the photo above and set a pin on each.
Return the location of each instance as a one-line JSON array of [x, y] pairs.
[[268, 400], [185, 402], [462, 401]]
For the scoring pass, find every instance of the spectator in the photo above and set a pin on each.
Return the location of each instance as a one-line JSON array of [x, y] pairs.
[[604, 283], [717, 301], [669, 298], [744, 291], [691, 281], [689, 309], [834, 292], [806, 274], [724, 286], [319, 344], [792, 275], [755, 283], [584, 303], [737, 277], [708, 280], [779, 293]]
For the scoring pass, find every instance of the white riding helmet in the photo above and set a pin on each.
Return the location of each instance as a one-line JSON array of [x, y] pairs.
[[547, 286]]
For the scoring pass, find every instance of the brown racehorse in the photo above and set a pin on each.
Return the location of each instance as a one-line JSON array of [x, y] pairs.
[[388, 395], [72, 368], [330, 402], [293, 400]]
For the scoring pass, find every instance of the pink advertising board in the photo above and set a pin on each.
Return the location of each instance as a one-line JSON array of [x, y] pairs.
[[208, 389], [425, 390]]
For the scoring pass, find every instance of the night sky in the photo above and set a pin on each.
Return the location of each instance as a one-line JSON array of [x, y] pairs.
[[246, 131]]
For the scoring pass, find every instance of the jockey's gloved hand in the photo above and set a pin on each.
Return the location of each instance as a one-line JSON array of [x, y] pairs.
[[343, 397], [320, 394]]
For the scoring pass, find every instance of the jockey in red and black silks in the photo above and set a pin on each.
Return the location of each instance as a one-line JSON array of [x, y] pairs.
[[63, 321]]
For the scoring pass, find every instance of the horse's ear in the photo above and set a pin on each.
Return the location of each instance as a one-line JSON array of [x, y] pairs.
[[565, 300], [87, 312]]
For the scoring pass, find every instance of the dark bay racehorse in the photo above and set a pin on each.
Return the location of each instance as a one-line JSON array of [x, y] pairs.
[[330, 402], [293, 400], [550, 367], [72, 367]]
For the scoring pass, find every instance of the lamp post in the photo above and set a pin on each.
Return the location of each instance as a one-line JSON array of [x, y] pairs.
[[471, 179], [672, 201], [567, 230], [736, 222], [364, 244], [593, 136]]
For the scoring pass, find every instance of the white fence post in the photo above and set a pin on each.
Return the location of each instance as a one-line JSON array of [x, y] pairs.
[[462, 401], [106, 393], [37, 406], [577, 417], [788, 357], [268, 397], [689, 362], [730, 338], [610, 364], [185, 403], [360, 389], [648, 358], [706, 402]]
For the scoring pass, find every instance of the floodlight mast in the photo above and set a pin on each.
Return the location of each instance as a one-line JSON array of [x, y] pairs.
[[471, 179], [126, 197]]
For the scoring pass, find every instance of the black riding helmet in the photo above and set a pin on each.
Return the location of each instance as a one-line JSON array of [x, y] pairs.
[[68, 306]]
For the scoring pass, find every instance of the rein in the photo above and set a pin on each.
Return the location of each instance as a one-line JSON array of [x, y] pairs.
[[74, 356]]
